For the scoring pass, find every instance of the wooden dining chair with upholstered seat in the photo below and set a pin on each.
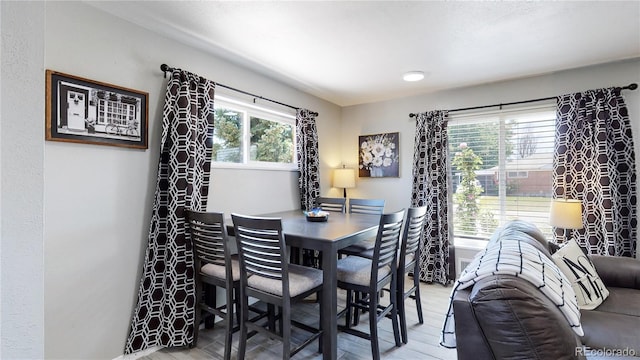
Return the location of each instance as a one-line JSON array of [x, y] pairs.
[[215, 267], [363, 206], [409, 261], [267, 275], [358, 275], [332, 204], [314, 257]]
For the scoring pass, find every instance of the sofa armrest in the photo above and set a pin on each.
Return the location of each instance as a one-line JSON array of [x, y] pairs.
[[617, 271]]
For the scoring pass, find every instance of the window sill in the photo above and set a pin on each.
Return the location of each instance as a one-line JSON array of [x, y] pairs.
[[233, 166], [470, 244]]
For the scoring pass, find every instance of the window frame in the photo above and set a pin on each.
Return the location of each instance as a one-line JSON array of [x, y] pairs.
[[501, 116], [249, 111]]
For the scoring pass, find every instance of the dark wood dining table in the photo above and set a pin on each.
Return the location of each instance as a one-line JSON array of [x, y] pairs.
[[341, 230]]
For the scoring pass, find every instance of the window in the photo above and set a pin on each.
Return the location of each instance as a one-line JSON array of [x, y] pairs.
[[501, 169], [246, 135], [517, 174]]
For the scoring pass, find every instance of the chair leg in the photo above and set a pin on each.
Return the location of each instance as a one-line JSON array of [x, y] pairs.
[[244, 314], [403, 318], [319, 296], [285, 331], [347, 318], [229, 323], [373, 326], [210, 299], [400, 296], [394, 315], [357, 297], [238, 305], [416, 295], [271, 316]]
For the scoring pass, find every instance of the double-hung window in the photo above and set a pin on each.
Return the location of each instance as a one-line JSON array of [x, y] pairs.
[[250, 136], [501, 169]]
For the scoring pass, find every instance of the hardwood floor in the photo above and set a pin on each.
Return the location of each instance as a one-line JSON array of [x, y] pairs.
[[423, 339]]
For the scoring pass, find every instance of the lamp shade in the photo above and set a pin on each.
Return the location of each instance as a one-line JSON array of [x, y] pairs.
[[344, 178], [566, 214]]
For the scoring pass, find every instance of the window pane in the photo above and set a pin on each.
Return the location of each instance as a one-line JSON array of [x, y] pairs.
[[227, 135], [271, 141], [501, 170]]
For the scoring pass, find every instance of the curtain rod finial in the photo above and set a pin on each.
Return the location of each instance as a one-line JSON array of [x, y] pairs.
[[633, 86]]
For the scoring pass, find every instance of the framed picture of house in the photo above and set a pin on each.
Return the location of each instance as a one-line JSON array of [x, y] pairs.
[[378, 155], [91, 112]]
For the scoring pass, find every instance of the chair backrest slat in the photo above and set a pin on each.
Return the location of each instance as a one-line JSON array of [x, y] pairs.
[[208, 235], [366, 206], [332, 204], [261, 245]]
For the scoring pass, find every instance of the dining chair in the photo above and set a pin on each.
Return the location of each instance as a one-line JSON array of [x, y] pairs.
[[216, 268], [409, 261], [266, 275], [366, 206], [356, 274], [314, 257], [332, 204], [362, 206]]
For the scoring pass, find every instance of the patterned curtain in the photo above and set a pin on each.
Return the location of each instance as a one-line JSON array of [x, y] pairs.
[[308, 160], [594, 162], [430, 178], [164, 314]]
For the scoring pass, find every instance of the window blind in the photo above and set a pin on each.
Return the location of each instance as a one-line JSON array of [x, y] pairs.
[[501, 168]]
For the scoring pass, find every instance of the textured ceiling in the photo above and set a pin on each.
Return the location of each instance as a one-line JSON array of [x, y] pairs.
[[356, 52]]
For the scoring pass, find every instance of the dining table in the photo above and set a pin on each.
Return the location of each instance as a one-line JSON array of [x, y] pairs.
[[339, 231]]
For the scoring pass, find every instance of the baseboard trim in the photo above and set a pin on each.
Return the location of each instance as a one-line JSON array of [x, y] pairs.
[[138, 354]]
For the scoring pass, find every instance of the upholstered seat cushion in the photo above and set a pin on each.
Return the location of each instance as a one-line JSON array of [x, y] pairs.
[[301, 279], [220, 272], [357, 270]]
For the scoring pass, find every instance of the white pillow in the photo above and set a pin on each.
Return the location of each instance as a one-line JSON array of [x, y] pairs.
[[579, 270]]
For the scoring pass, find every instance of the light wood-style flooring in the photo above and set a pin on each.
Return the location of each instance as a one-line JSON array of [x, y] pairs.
[[423, 339]]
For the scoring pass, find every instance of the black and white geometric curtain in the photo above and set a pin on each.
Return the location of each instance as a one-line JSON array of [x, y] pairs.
[[430, 178], [594, 162], [164, 314], [308, 158]]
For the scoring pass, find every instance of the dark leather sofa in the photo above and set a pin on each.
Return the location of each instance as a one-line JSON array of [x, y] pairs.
[[505, 317]]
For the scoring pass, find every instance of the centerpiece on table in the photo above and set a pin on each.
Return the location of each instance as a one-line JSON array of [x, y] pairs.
[[316, 215]]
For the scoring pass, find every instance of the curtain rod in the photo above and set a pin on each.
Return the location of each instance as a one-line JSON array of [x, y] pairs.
[[632, 86], [165, 68]]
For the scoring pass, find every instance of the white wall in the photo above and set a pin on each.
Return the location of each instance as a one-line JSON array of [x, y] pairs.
[[21, 194], [98, 199], [392, 116]]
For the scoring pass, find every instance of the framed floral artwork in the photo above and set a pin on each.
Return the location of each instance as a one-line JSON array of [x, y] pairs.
[[379, 155]]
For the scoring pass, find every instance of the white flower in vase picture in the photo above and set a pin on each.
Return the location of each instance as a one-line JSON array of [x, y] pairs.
[[379, 155]]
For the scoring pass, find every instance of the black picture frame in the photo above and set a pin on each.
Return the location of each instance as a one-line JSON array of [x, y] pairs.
[[378, 155], [85, 111]]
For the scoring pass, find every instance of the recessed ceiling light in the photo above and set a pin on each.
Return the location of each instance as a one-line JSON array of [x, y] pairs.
[[413, 76]]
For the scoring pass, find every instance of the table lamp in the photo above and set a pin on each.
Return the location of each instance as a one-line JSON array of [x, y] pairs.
[[344, 178], [566, 214]]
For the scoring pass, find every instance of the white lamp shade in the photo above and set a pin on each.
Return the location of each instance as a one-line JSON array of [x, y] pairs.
[[344, 178], [566, 214]]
